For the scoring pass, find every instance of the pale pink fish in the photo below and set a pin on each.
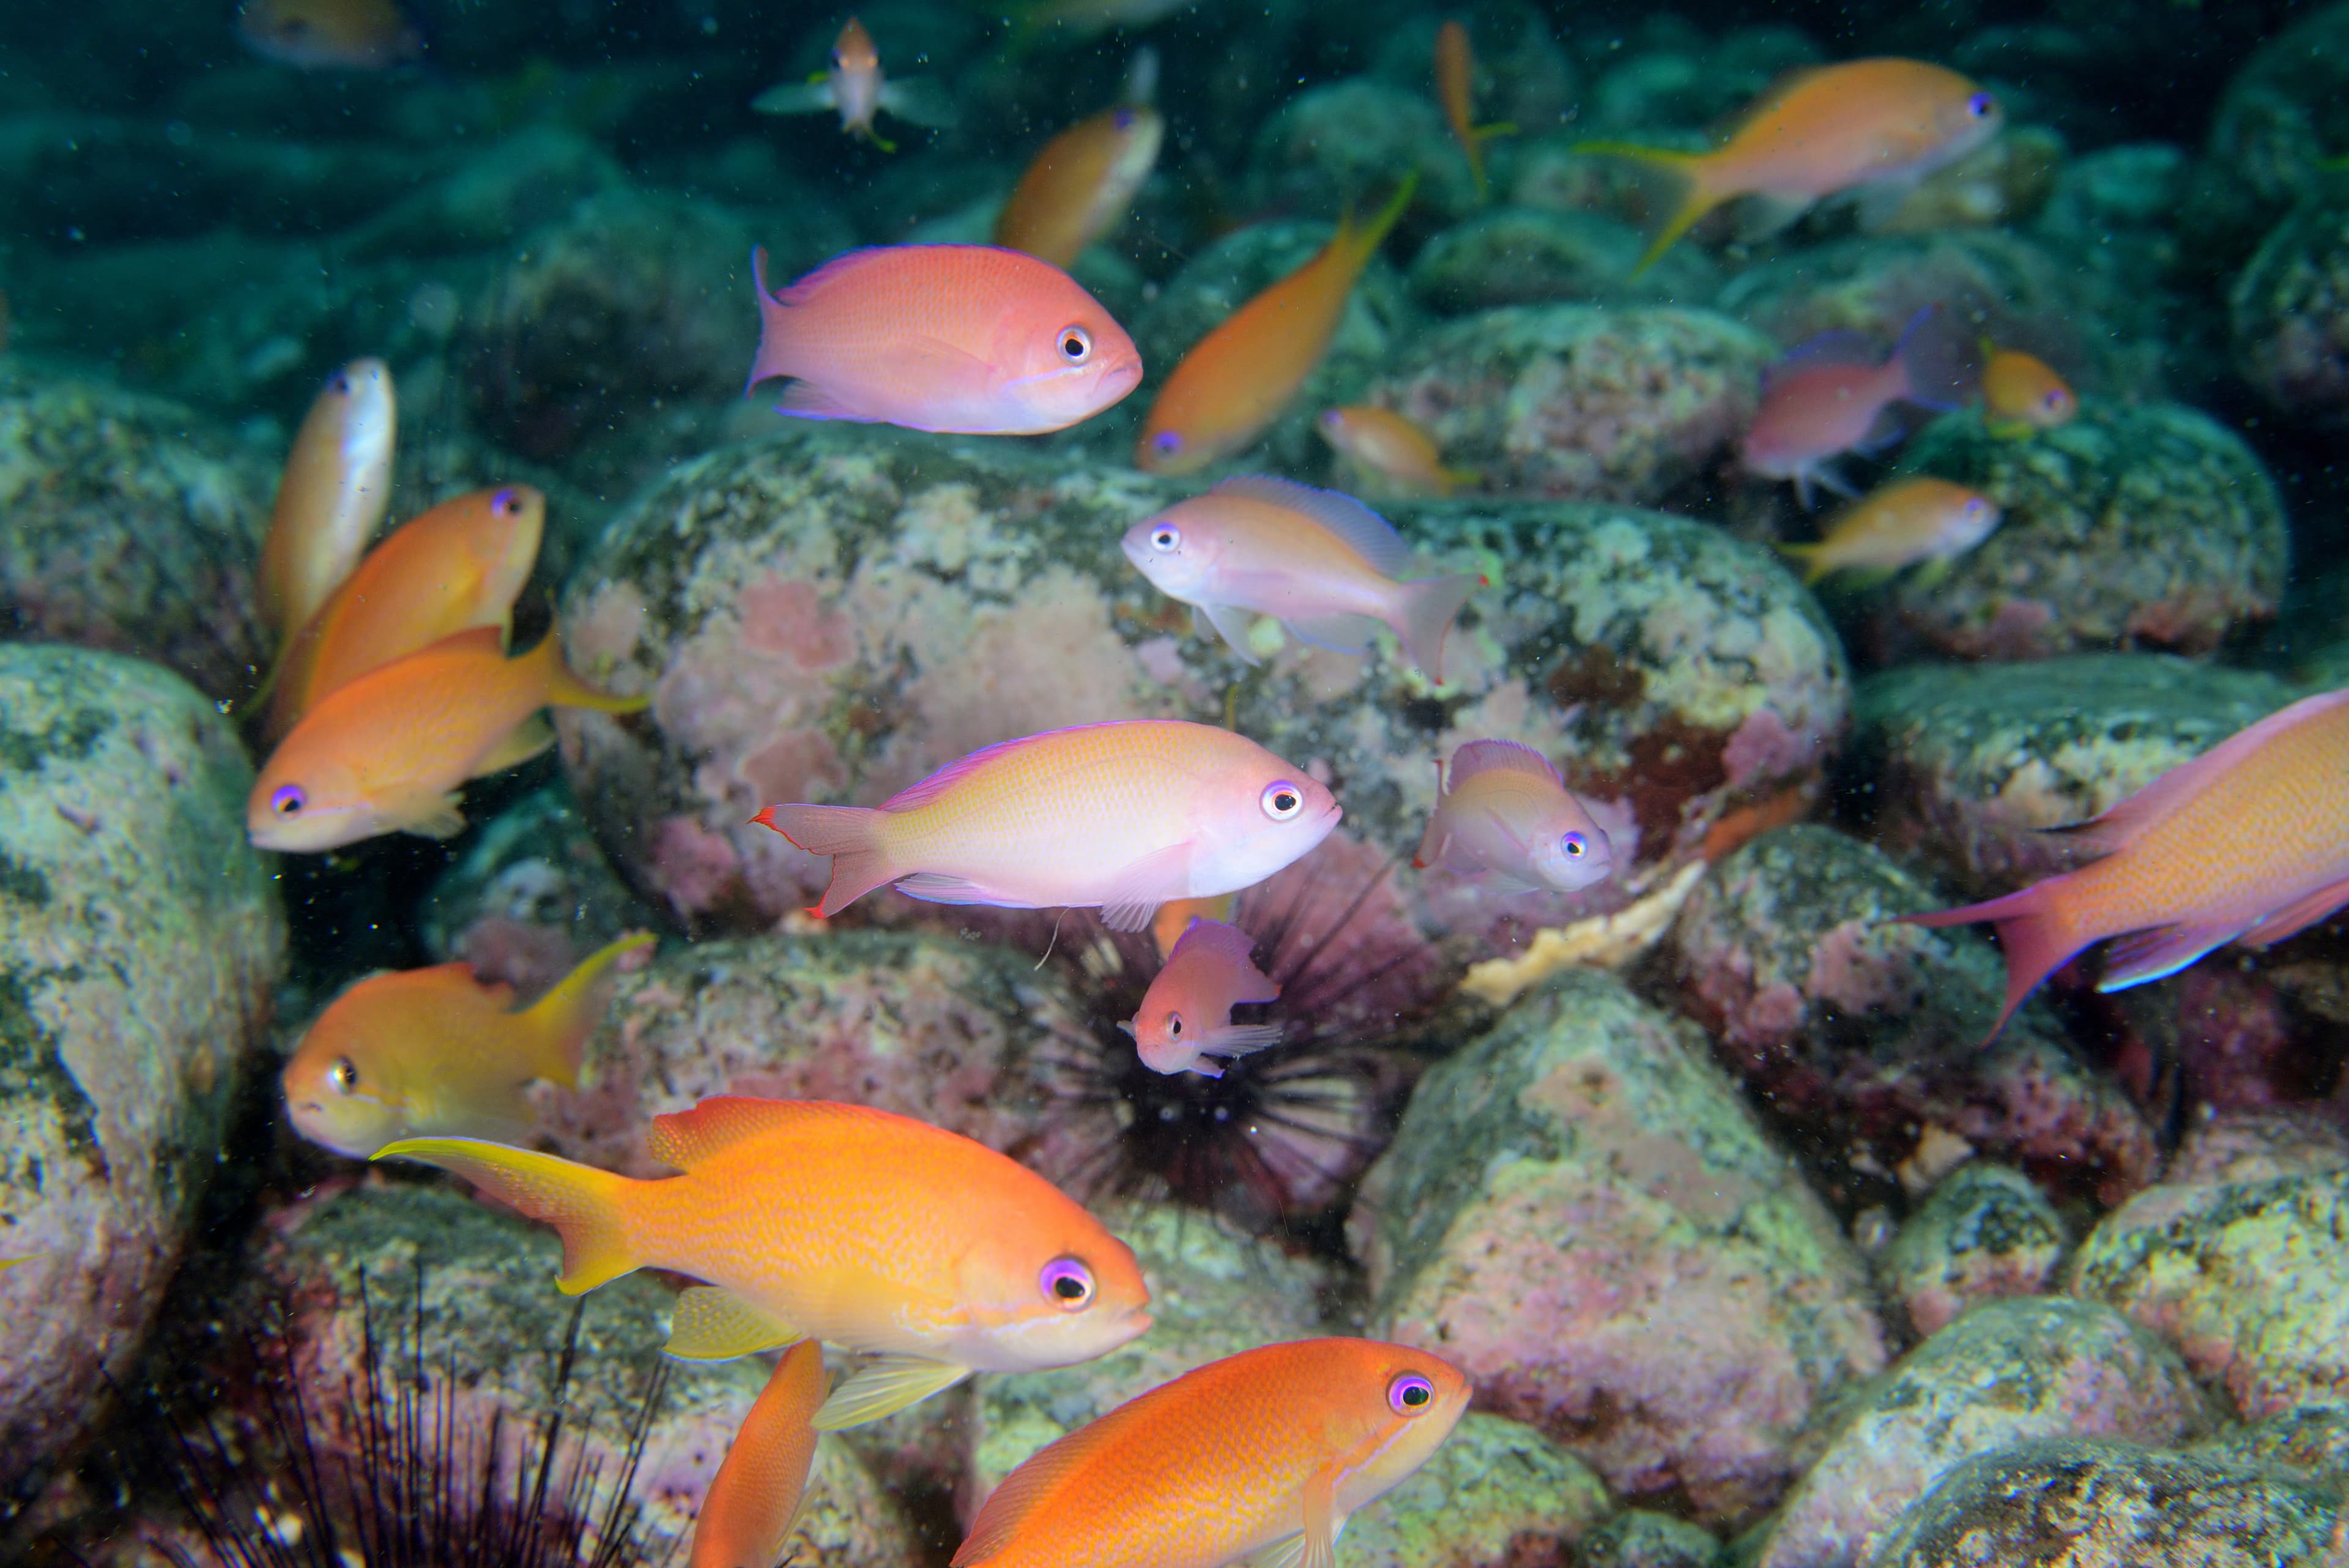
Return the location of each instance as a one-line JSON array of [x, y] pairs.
[[1832, 396], [1122, 817], [1187, 1011], [858, 88], [1506, 813], [966, 340], [1324, 564]]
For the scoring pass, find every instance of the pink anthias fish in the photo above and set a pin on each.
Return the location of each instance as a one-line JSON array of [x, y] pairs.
[[1832, 396], [1324, 564], [1188, 1012], [1122, 817], [2248, 843], [1505, 812], [963, 339]]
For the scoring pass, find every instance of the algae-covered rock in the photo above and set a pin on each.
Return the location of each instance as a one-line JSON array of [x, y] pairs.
[[140, 936], [1636, 1538], [2289, 311], [2006, 1372], [1985, 1232], [1495, 1495], [1532, 256], [1345, 143], [2284, 117], [1580, 1211]]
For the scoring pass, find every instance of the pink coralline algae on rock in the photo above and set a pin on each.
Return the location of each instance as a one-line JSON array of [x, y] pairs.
[[1985, 1232]]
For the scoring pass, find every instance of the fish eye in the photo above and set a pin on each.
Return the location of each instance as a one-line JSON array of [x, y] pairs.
[[1167, 441], [341, 383], [1067, 1283], [1575, 845], [1124, 120], [1332, 419], [1167, 537], [1173, 1026], [1410, 1394], [344, 1076], [1076, 344], [1982, 105], [505, 504], [287, 800], [1282, 800], [2056, 400]]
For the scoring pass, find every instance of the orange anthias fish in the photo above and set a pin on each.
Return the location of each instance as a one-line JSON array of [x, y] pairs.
[[967, 339], [1873, 127], [860, 1228], [754, 1499], [1187, 1011], [858, 88], [387, 752], [1906, 521], [2022, 395], [1504, 811], [459, 565], [1383, 441], [2248, 843], [1280, 1444], [330, 35], [1322, 562], [1237, 379], [1123, 817], [1079, 186], [337, 483], [1455, 89], [1832, 396], [434, 1051]]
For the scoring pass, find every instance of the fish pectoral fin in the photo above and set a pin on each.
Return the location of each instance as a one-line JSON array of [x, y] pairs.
[[1337, 633], [885, 1385], [1130, 902], [2161, 952], [1240, 1039], [796, 98], [920, 100], [711, 1324], [529, 738], [429, 816], [1229, 622], [1317, 1546]]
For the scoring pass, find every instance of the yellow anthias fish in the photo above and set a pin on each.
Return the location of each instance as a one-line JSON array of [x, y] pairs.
[[1399, 451], [1906, 521], [337, 483], [2022, 395], [1081, 182], [434, 1051], [1455, 89], [859, 90], [756, 1497]]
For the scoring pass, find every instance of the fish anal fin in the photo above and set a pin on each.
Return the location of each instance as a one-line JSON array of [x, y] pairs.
[[938, 888], [885, 1385], [2130, 818], [2145, 956], [1369, 535], [1134, 897], [2298, 915], [526, 739], [1340, 633], [711, 1324]]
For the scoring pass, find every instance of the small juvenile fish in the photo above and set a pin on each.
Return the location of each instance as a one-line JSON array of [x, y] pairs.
[[2020, 394], [1280, 1444], [1236, 379], [1503, 810], [1905, 522], [1123, 817], [859, 90], [1382, 440], [755, 1498], [337, 483], [1832, 396], [1455, 89], [856, 1227], [1081, 184], [434, 1051], [1322, 562], [1187, 1011], [461, 564], [2248, 843], [330, 35], [1875, 127], [967, 339], [387, 752]]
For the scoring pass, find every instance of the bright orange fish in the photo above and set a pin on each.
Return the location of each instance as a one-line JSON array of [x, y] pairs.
[[459, 565], [1236, 379], [1079, 186], [859, 90], [1875, 127], [1187, 1011], [2020, 394], [337, 483], [1901, 525], [1385, 441], [1455, 89], [755, 1498], [330, 35], [434, 1051], [387, 752], [859, 1228], [2248, 843], [1281, 1444]]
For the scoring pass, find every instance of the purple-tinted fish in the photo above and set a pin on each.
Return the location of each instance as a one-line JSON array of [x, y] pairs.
[[1833, 395], [1188, 1012]]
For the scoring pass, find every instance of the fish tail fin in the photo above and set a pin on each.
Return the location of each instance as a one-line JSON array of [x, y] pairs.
[[1426, 613], [1682, 182], [1360, 241], [560, 1022], [2034, 933], [856, 839], [774, 356], [1807, 557], [565, 690], [589, 1209], [1936, 361], [1457, 477]]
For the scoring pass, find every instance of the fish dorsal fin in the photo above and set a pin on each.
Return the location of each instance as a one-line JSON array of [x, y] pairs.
[[1034, 1485], [1364, 530], [1499, 757], [2181, 784], [1836, 345], [829, 273], [1773, 96], [1215, 937], [689, 1138], [921, 793]]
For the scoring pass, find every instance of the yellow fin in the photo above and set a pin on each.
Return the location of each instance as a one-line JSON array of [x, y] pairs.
[[427, 815], [885, 1385], [1807, 557], [711, 1324], [1695, 197], [1357, 244], [557, 1022], [565, 690], [525, 740], [586, 1207]]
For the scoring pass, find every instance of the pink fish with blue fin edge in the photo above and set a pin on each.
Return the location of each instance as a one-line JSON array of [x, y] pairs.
[[1833, 395], [1504, 811], [2248, 843], [1188, 1012]]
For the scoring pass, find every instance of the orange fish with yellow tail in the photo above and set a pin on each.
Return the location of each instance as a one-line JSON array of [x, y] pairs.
[[923, 1249], [337, 483], [1276, 1446], [1236, 379], [2022, 394], [1455, 89], [2248, 843], [755, 1498], [459, 565], [1872, 127], [387, 752]]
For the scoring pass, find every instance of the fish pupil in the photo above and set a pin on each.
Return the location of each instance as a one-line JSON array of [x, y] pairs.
[[1167, 441], [345, 1074], [1174, 1026], [1574, 845]]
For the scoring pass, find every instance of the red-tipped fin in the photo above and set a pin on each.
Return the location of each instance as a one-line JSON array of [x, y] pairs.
[[2032, 934], [850, 834]]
